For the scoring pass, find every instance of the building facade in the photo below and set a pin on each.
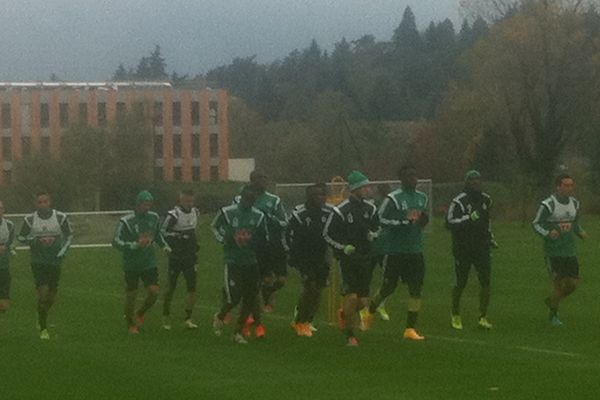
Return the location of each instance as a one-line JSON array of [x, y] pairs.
[[189, 127]]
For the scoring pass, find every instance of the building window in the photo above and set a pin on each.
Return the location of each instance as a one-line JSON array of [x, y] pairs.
[[45, 145], [25, 146], [196, 145], [83, 113], [177, 174], [213, 112], [214, 173], [121, 110], [157, 113], [158, 146], [176, 113], [195, 173], [44, 115], [214, 145], [158, 173], [6, 148], [177, 146], [102, 114], [6, 118], [63, 109], [7, 176], [195, 113]]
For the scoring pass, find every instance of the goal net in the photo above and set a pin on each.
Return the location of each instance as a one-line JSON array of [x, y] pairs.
[[292, 194]]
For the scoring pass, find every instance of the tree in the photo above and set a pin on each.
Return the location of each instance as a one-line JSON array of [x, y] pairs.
[[153, 67], [536, 78], [121, 74]]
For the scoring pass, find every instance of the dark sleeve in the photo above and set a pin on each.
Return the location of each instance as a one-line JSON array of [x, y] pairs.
[[333, 231]]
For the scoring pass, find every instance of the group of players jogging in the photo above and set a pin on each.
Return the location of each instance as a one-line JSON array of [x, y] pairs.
[[260, 240]]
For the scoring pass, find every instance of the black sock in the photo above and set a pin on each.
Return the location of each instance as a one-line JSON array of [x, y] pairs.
[[42, 318], [411, 319], [349, 332], [188, 313]]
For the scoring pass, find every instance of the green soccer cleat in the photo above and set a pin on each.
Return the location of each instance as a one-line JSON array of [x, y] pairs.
[[456, 322], [484, 323], [44, 335], [366, 319], [383, 314]]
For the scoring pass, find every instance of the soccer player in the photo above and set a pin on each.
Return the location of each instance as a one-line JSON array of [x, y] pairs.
[[308, 253], [242, 230], [135, 237], [48, 234], [557, 222], [469, 222], [7, 236], [272, 259], [179, 231], [380, 195], [403, 216], [350, 229]]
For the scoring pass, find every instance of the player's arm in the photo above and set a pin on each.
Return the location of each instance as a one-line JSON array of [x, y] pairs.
[[67, 233], [457, 216], [423, 219], [294, 226], [120, 241], [333, 231], [159, 238], [577, 229], [24, 235], [539, 223], [218, 226], [166, 228], [279, 214]]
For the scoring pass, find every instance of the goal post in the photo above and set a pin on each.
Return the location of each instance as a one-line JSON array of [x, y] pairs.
[[292, 194]]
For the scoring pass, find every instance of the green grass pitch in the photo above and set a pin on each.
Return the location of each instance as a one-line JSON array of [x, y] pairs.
[[90, 355]]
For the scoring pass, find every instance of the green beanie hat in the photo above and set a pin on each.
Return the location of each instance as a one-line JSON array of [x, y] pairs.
[[356, 180], [143, 196], [472, 174]]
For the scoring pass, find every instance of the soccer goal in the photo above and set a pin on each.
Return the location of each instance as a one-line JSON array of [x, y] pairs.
[[92, 229], [292, 194]]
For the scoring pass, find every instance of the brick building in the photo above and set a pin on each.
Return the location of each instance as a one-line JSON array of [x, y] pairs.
[[190, 128]]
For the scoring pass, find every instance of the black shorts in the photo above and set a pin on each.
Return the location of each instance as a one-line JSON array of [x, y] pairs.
[[149, 277], [46, 275], [4, 284], [410, 268], [482, 264], [189, 271], [563, 267], [241, 281], [272, 261], [314, 272], [357, 272]]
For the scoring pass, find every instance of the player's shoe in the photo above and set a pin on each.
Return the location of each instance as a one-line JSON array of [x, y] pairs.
[[189, 324], [303, 329], [260, 331], [133, 330], [247, 330], [352, 341], [217, 324], [341, 319], [228, 318], [555, 321], [366, 319], [140, 319], [383, 314], [166, 323], [456, 322], [312, 327], [250, 320], [412, 334], [484, 323], [297, 326], [239, 338], [44, 334]]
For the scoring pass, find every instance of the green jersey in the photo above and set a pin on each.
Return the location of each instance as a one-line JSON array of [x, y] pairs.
[[130, 229], [402, 215], [7, 236], [242, 231], [48, 234], [270, 204], [561, 215]]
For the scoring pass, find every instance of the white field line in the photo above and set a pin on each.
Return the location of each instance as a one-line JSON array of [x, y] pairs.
[[281, 317]]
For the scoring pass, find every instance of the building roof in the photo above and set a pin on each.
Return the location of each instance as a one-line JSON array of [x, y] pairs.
[[84, 85]]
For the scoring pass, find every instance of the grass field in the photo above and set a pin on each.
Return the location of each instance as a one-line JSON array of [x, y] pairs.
[[90, 355]]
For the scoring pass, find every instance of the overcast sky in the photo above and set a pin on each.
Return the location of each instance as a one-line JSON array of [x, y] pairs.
[[86, 39]]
